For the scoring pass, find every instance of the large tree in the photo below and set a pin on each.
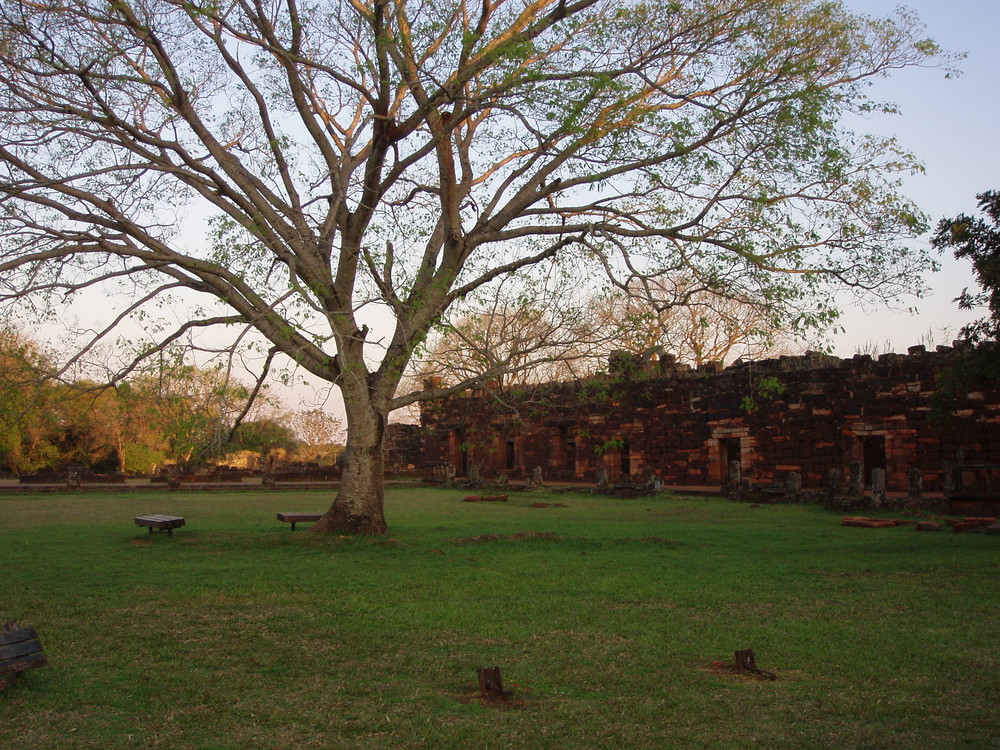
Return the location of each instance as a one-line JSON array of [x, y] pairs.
[[404, 154]]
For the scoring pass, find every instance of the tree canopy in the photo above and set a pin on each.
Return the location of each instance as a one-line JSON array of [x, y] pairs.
[[27, 420], [168, 414], [531, 339], [976, 239], [283, 167]]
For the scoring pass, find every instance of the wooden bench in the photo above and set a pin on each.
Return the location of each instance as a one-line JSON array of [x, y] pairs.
[[294, 518], [20, 649], [160, 522]]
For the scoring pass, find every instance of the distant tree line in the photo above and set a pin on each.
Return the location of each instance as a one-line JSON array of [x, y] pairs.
[[510, 341], [172, 413]]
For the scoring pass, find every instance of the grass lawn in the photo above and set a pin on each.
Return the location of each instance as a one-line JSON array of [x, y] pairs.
[[237, 633]]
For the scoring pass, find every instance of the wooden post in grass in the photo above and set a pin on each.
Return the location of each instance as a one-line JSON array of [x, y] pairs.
[[491, 683], [746, 662]]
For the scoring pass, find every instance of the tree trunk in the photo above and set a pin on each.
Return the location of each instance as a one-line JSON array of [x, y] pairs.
[[358, 507]]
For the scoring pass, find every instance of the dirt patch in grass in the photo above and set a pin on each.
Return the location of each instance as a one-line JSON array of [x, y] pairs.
[[729, 670], [385, 542], [516, 699], [520, 536]]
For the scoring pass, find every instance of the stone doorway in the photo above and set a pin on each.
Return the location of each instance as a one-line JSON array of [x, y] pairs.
[[730, 449], [873, 456]]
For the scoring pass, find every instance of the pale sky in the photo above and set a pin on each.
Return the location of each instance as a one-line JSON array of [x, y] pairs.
[[953, 126]]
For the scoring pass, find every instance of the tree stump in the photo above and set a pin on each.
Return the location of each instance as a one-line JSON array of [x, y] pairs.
[[746, 662], [491, 683]]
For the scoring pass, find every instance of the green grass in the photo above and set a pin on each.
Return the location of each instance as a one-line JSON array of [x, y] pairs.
[[237, 633]]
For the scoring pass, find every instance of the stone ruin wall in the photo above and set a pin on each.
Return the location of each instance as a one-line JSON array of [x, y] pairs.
[[686, 425], [402, 448]]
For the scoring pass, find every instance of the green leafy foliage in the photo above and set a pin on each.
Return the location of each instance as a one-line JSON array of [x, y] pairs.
[[179, 414], [137, 458], [262, 436], [763, 388], [612, 444], [976, 239], [29, 425]]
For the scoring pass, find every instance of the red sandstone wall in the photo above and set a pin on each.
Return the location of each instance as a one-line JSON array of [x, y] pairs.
[[685, 425], [402, 448]]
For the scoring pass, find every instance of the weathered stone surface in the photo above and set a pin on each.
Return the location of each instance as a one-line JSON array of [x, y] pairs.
[[971, 524], [685, 426], [869, 523], [403, 448], [916, 484], [878, 488]]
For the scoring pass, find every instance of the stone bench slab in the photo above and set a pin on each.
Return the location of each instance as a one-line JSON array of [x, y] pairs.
[[167, 523]]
